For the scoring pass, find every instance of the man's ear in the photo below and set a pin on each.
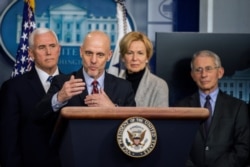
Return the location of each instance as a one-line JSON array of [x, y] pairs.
[[30, 54], [80, 50], [220, 72], [110, 55]]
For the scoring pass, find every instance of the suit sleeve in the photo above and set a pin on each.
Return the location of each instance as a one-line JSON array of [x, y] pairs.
[[238, 155], [44, 111], [10, 127]]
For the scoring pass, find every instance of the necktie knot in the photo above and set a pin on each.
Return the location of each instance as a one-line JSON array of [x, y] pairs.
[[95, 87], [49, 79], [208, 98]]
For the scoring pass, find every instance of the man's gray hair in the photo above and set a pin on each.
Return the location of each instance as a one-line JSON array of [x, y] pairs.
[[206, 53], [37, 31]]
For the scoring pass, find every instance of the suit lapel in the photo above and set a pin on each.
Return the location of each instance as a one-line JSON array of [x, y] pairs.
[[216, 115], [35, 83], [108, 85]]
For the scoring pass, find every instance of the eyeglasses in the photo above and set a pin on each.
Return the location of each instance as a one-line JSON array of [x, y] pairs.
[[207, 69]]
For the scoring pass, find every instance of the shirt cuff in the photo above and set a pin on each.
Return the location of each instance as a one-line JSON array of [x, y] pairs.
[[56, 105]]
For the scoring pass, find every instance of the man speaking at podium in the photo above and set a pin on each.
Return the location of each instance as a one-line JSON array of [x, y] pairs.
[[90, 85]]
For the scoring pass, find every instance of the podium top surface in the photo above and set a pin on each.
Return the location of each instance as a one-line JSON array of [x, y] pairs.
[[125, 112]]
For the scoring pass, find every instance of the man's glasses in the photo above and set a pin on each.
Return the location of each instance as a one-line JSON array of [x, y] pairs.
[[207, 69]]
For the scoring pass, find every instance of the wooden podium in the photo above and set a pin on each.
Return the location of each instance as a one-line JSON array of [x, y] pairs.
[[87, 136]]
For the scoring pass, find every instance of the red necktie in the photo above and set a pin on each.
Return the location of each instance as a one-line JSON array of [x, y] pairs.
[[95, 88]]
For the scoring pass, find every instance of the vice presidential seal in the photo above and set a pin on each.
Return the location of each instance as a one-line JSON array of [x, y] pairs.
[[137, 137]]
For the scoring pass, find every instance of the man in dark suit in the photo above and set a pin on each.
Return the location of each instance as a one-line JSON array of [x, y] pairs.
[[23, 143], [76, 89], [225, 142]]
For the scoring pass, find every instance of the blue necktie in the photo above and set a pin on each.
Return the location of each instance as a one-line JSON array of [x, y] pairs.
[[50, 79], [209, 107]]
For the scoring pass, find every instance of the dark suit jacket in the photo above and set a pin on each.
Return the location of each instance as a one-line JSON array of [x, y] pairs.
[[118, 90], [23, 143], [227, 144]]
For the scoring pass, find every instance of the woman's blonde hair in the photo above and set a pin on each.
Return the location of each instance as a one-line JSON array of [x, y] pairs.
[[135, 36]]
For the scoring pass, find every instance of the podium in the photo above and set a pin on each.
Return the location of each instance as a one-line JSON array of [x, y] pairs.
[[86, 136]]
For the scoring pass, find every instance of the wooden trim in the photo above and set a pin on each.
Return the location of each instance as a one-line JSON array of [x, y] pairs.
[[126, 112]]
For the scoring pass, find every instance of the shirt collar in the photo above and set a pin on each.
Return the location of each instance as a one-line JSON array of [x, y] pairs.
[[89, 80], [213, 95], [43, 75]]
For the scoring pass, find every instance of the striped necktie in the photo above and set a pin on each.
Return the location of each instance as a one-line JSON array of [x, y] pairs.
[[49, 79]]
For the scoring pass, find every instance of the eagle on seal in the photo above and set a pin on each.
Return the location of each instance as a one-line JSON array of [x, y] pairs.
[[136, 138]]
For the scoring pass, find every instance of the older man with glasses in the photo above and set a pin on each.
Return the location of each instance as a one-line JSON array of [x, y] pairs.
[[222, 139]]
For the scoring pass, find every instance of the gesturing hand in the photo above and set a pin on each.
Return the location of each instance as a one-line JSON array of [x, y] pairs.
[[71, 88], [98, 100]]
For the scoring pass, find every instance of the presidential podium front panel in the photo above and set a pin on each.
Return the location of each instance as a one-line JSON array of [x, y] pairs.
[[93, 137]]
